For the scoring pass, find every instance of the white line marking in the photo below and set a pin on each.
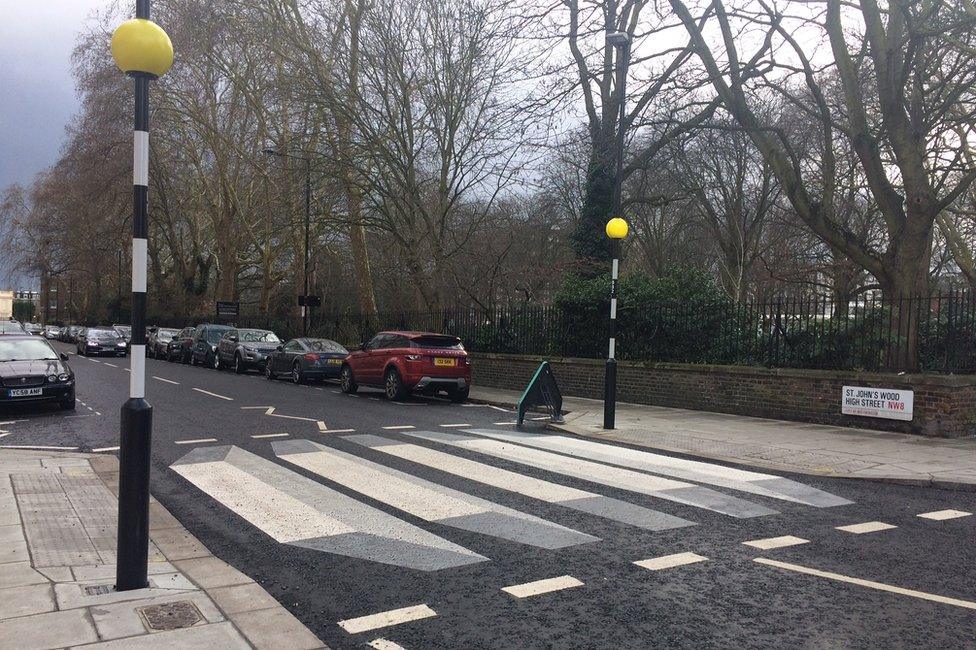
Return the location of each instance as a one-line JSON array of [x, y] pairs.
[[867, 583], [271, 435], [110, 364], [316, 388], [100, 449], [449, 426], [500, 424], [37, 447], [4, 434], [866, 527], [938, 515], [498, 408], [270, 410], [542, 586], [776, 542], [11, 422], [92, 360], [339, 431], [337, 392], [398, 427], [194, 441], [97, 413], [322, 426], [127, 369], [385, 644], [670, 561], [207, 392], [168, 381], [386, 619]]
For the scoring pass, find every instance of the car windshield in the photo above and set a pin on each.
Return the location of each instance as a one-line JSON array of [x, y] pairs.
[[257, 336], [165, 335], [325, 345], [123, 329], [212, 336], [444, 342], [26, 350], [102, 334], [10, 328]]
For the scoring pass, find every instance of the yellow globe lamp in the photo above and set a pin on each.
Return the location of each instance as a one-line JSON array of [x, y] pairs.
[[617, 228], [142, 46]]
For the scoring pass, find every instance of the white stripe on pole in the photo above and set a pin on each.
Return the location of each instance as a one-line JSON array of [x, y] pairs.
[[613, 308], [140, 160], [613, 346], [137, 378], [140, 262], [615, 265]]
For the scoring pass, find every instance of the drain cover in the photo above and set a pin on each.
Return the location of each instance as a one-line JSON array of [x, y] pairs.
[[98, 590], [171, 616]]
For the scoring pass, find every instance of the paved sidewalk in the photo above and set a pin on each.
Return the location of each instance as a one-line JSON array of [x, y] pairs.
[[776, 444], [57, 553]]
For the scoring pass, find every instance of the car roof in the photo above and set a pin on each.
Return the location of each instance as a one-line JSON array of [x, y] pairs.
[[413, 334], [21, 337]]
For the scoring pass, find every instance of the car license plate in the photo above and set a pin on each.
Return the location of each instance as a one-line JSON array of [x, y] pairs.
[[445, 362], [335, 362], [26, 392]]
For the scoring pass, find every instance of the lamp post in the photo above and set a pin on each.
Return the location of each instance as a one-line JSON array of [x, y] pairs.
[[142, 50], [616, 230], [308, 217]]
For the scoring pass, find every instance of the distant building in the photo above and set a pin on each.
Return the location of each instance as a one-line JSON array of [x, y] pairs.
[[6, 305]]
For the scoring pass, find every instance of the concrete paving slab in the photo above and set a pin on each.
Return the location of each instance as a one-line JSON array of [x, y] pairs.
[[177, 544], [17, 574], [124, 620], [48, 631], [211, 572], [275, 628], [242, 598], [26, 600], [216, 635]]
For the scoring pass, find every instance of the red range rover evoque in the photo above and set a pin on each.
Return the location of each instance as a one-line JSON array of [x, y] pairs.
[[405, 362]]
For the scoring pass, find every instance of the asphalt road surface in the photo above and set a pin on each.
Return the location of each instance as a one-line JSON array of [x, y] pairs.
[[433, 525]]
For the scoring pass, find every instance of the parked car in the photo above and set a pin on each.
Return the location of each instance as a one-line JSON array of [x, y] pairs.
[[68, 335], [157, 346], [306, 359], [32, 371], [51, 331], [34, 329], [244, 349], [178, 349], [404, 362], [124, 331], [11, 327], [100, 340], [204, 347]]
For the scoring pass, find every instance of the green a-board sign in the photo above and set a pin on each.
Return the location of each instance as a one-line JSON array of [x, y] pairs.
[[542, 391]]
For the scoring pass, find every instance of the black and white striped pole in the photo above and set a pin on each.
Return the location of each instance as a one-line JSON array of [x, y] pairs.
[[142, 50], [616, 230]]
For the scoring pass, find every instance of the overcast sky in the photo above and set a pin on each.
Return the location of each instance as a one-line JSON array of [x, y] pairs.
[[37, 95]]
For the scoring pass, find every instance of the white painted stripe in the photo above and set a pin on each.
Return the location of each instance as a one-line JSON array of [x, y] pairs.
[[942, 515], [321, 425], [168, 381], [400, 427], [339, 431], [100, 449], [4, 434], [207, 392], [137, 364], [37, 447], [385, 644], [92, 360], [140, 264], [127, 369], [450, 426], [194, 441], [670, 561], [498, 408], [501, 424], [866, 527], [613, 308], [776, 542], [270, 435], [140, 158], [546, 586], [613, 348], [109, 364], [880, 586], [386, 619]]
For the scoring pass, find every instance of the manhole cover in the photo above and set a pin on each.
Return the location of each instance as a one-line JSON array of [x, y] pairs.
[[171, 616], [98, 590]]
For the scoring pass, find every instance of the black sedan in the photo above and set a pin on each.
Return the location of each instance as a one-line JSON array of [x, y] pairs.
[[306, 359], [32, 372], [101, 340]]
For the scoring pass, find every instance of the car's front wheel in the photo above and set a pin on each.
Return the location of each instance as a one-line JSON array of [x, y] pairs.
[[238, 364], [346, 381], [297, 374], [268, 372], [393, 385], [217, 365]]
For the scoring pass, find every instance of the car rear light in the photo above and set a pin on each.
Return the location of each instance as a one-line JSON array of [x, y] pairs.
[[414, 357]]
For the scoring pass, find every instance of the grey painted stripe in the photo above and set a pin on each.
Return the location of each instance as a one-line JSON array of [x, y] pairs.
[[296, 510], [767, 485], [426, 500], [569, 497], [624, 479]]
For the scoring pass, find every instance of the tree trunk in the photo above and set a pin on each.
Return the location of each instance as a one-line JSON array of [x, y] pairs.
[[905, 290], [589, 239]]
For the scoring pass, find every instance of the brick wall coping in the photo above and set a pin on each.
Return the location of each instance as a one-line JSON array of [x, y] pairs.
[[853, 376]]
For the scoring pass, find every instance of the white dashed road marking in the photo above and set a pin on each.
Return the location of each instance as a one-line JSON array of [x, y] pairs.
[[271, 435], [398, 427], [866, 527], [938, 515], [385, 644], [168, 381], [38, 447], [109, 364], [670, 561], [867, 583], [451, 426], [322, 426], [207, 392], [386, 619], [339, 431], [542, 586], [776, 542], [194, 441], [101, 449], [501, 424]]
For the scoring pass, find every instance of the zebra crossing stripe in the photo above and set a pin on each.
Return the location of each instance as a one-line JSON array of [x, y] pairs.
[[767, 485], [426, 500], [298, 511], [386, 619], [624, 479], [504, 479]]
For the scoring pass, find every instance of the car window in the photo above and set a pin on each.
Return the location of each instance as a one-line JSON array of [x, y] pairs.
[[396, 341], [293, 346], [26, 350], [377, 342], [325, 345], [433, 341], [212, 334], [11, 328], [165, 335], [229, 333], [258, 336], [102, 334]]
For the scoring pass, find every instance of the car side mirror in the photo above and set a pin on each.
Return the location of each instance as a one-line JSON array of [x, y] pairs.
[[64, 357], [362, 346], [279, 349]]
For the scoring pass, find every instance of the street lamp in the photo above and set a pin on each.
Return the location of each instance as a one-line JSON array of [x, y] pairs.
[[308, 212], [616, 230], [141, 49]]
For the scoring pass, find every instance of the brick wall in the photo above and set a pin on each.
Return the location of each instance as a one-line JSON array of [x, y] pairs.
[[945, 405]]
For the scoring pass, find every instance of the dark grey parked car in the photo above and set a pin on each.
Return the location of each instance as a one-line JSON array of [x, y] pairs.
[[244, 349], [203, 349], [306, 359], [157, 346]]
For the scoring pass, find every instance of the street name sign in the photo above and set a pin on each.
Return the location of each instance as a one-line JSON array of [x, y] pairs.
[[888, 403]]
